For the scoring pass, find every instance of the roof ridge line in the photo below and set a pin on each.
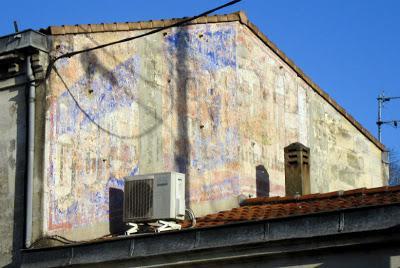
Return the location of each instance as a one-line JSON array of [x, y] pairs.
[[140, 25]]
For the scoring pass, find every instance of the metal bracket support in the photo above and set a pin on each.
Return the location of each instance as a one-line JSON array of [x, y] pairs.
[[161, 226], [134, 228]]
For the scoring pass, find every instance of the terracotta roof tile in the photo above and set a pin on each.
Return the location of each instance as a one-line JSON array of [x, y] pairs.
[[281, 207], [146, 24], [84, 28], [70, 28], [158, 23], [97, 27], [201, 20], [110, 27], [134, 26], [122, 26], [170, 22], [212, 19]]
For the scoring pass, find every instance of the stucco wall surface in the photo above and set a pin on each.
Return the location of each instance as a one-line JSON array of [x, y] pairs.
[[283, 109], [12, 162], [164, 102], [208, 100], [342, 158]]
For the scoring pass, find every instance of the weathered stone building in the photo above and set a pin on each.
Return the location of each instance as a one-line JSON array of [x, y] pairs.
[[214, 100]]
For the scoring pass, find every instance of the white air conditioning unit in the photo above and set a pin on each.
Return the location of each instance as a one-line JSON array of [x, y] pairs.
[[150, 197]]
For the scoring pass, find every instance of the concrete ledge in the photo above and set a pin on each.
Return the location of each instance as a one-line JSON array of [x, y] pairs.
[[336, 229]]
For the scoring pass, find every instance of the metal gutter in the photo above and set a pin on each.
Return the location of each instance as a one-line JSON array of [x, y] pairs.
[[31, 151], [242, 254]]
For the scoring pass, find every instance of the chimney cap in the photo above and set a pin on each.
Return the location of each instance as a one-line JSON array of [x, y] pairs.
[[297, 146]]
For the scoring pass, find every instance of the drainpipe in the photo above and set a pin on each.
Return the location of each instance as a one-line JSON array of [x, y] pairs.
[[31, 150]]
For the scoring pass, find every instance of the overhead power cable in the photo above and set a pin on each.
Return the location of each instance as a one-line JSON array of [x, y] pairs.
[[64, 240], [179, 23]]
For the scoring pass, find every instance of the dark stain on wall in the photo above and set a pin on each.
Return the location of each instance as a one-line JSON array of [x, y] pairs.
[[182, 142], [116, 200], [262, 181], [19, 163]]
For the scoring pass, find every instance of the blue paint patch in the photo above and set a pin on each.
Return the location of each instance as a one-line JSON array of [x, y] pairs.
[[96, 198], [108, 93], [115, 183], [214, 50], [69, 213], [134, 171], [64, 48], [73, 209]]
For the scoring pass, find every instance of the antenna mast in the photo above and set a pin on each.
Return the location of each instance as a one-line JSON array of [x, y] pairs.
[[381, 100]]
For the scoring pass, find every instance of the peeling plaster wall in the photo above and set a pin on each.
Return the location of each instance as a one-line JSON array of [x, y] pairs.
[[208, 100], [274, 112], [159, 103], [342, 157]]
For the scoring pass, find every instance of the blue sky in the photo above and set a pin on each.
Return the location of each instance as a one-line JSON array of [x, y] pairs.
[[350, 48]]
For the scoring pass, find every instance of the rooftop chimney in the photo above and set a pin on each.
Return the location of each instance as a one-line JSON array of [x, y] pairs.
[[297, 169]]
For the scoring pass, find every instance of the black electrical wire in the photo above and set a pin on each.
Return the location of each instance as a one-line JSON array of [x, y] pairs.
[[179, 23], [192, 217], [57, 238], [65, 241]]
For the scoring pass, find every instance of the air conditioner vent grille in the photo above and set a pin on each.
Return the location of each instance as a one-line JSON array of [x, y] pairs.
[[138, 200]]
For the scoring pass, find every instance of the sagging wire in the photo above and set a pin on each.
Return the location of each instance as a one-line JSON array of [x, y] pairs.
[[65, 241], [179, 23], [51, 65], [57, 238], [88, 116], [53, 60], [191, 216]]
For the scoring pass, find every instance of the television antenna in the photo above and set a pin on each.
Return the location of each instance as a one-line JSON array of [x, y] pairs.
[[394, 123]]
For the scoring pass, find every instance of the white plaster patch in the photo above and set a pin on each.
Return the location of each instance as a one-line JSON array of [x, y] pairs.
[[280, 84], [303, 116]]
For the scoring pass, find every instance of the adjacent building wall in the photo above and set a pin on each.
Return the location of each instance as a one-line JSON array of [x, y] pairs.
[[208, 100], [12, 167], [13, 151]]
